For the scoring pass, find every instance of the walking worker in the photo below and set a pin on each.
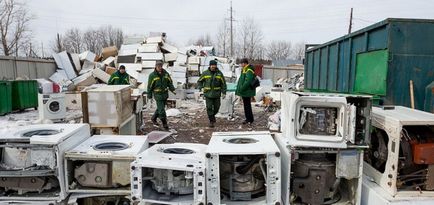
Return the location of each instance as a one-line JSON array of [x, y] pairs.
[[120, 77], [159, 83], [245, 89], [213, 84]]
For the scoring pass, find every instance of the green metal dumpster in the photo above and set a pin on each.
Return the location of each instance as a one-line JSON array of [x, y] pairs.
[[378, 60], [24, 94], [5, 97]]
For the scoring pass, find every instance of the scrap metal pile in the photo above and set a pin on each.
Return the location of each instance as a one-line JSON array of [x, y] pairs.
[[139, 56]]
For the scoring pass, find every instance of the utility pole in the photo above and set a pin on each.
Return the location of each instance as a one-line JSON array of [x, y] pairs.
[[232, 32], [42, 48], [351, 21]]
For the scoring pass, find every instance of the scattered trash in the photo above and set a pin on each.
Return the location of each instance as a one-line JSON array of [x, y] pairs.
[[173, 112]]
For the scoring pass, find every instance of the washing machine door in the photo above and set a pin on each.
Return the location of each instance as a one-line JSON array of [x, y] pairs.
[[53, 106]]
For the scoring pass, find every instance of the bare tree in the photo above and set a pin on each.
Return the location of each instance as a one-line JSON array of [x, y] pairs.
[[14, 27], [251, 37], [278, 50], [223, 39], [92, 40], [204, 40], [298, 51], [76, 41], [73, 41], [56, 45]]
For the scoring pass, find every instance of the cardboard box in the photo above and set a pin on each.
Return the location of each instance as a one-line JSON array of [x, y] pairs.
[[109, 51], [110, 70], [109, 105], [149, 48]]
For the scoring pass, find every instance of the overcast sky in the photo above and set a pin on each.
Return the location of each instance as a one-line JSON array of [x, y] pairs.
[[312, 21]]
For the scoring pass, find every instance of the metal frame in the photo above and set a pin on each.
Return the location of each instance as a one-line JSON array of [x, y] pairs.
[[120, 159], [154, 158], [346, 119], [289, 153], [265, 145]]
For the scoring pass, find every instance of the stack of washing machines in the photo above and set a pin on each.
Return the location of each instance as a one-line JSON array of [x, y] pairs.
[[322, 141]]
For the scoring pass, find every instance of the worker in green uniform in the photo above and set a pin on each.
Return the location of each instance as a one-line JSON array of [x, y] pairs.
[[159, 83], [120, 77], [245, 90], [213, 84]]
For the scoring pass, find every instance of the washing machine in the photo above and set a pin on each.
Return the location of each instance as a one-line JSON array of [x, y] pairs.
[[32, 160], [400, 158], [313, 175], [243, 168], [325, 119], [169, 174], [101, 164], [52, 106]]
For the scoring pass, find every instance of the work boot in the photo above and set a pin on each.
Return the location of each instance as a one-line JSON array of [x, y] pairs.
[[211, 124], [165, 126], [154, 120]]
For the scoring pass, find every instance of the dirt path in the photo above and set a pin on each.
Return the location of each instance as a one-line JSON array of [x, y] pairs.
[[192, 125]]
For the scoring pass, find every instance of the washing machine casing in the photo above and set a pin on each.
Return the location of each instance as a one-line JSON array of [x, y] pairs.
[[348, 166], [42, 146], [325, 119], [52, 106], [394, 121], [113, 154], [263, 144], [155, 158]]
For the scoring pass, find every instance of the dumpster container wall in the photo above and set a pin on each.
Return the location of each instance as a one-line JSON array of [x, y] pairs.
[[6, 99], [24, 94], [379, 60]]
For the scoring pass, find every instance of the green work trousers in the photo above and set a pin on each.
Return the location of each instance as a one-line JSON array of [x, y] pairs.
[[160, 112], [212, 107]]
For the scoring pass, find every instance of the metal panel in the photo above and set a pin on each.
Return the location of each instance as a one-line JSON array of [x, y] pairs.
[[371, 72], [323, 72], [402, 69], [12, 67], [315, 73], [332, 68]]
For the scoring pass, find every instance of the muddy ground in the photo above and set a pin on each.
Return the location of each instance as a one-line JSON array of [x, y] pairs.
[[192, 125]]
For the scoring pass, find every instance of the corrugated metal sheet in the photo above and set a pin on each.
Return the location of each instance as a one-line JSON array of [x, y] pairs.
[[275, 73], [12, 68]]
